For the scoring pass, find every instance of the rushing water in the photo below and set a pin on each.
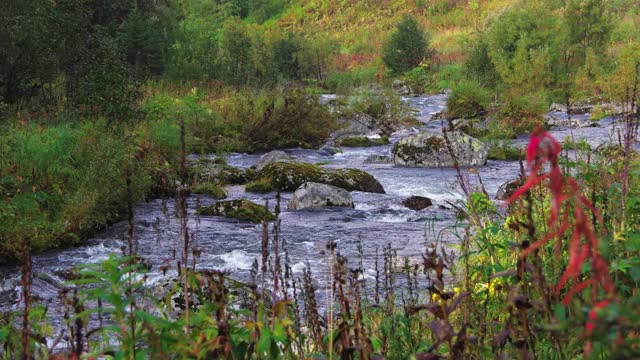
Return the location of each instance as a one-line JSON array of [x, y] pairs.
[[377, 220]]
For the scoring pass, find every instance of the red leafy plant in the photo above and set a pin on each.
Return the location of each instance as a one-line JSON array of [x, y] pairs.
[[543, 153]]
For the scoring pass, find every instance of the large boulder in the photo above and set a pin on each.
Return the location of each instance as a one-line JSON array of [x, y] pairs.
[[237, 209], [431, 150], [357, 124], [286, 176], [271, 157], [417, 203], [402, 88], [311, 195]]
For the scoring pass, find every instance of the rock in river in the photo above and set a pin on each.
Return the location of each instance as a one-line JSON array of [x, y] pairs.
[[286, 176], [237, 209], [271, 157], [431, 150], [417, 203], [311, 195]]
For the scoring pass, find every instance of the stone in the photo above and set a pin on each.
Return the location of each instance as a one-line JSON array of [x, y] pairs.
[[431, 150], [270, 157], [378, 159], [206, 171], [311, 195], [417, 203], [358, 124], [237, 209], [508, 188], [289, 176], [402, 88]]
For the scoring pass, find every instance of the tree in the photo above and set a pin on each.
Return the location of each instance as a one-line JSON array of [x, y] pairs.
[[28, 52], [590, 24], [407, 47], [524, 45], [236, 50]]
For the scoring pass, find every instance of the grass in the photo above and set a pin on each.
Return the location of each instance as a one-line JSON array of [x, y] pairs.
[[214, 190], [262, 185]]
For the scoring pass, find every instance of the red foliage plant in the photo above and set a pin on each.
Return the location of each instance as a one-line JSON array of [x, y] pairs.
[[543, 153]]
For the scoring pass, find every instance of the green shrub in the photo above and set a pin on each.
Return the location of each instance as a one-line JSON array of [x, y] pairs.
[[468, 100], [580, 144], [407, 47], [418, 78], [213, 190], [522, 113]]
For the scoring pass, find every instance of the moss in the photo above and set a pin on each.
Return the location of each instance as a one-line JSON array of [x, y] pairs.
[[210, 172], [363, 141], [435, 143], [289, 176], [237, 209], [213, 190], [263, 185], [324, 162], [408, 152]]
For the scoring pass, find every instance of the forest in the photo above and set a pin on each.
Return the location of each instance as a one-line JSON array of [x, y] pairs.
[[318, 179]]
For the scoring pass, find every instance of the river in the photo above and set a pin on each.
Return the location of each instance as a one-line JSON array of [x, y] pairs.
[[377, 220]]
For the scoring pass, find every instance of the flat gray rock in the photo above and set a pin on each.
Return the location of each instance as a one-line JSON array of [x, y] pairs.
[[311, 195]]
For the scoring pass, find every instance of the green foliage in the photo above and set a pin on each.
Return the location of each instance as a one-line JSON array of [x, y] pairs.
[[468, 100], [235, 52], [419, 78], [407, 47], [524, 46], [479, 65], [28, 58], [522, 113]]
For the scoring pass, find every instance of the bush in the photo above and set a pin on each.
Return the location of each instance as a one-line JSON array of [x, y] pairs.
[[418, 78], [468, 100], [522, 113], [407, 47]]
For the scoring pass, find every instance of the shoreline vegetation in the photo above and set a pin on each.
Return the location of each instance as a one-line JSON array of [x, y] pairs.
[[101, 103]]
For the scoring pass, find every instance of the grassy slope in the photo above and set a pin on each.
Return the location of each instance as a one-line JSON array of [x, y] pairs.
[[363, 26]]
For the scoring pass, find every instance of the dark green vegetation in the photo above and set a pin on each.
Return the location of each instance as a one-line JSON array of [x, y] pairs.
[[100, 101], [407, 47]]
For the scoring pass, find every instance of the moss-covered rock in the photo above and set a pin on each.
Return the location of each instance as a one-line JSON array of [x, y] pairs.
[[289, 176], [214, 190], [207, 171], [237, 209], [431, 150], [363, 141]]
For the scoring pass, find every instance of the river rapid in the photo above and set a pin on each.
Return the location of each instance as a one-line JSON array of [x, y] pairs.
[[377, 220]]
